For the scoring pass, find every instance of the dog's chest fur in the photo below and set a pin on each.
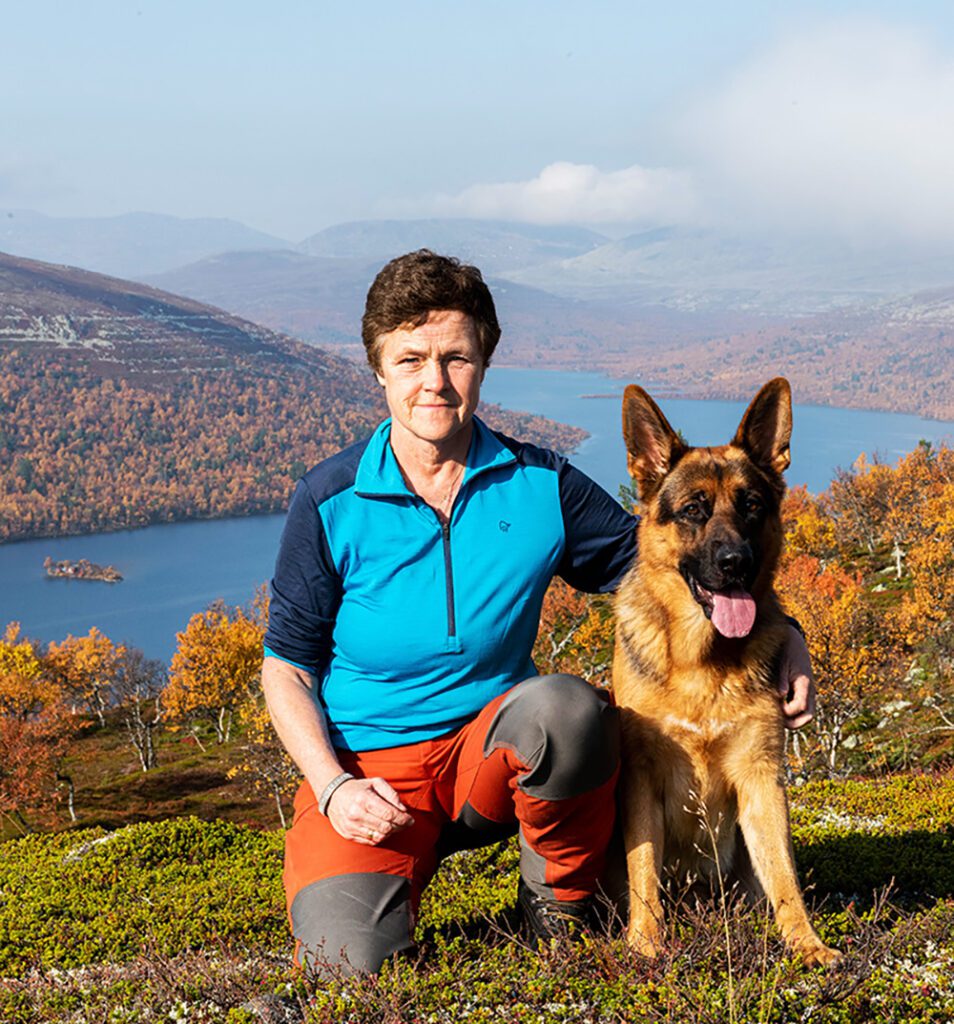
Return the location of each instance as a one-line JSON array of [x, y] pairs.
[[696, 715]]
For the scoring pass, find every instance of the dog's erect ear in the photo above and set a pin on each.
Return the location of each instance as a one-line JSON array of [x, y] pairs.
[[766, 427], [652, 446]]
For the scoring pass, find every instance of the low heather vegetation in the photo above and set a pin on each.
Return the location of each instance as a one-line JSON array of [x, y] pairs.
[[183, 920]]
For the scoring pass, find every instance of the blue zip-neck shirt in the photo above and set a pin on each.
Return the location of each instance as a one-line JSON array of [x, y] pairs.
[[412, 627]]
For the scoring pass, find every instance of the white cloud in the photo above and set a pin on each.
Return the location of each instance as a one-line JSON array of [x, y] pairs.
[[579, 194], [848, 128], [845, 129]]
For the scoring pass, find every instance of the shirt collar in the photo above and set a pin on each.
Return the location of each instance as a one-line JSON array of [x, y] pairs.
[[379, 474]]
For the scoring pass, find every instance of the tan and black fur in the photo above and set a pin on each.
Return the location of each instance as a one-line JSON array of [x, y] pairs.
[[701, 718]]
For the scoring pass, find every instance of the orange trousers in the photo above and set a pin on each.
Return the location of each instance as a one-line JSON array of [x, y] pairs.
[[542, 758]]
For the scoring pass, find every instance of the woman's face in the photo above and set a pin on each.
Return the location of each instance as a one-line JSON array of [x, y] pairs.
[[431, 376]]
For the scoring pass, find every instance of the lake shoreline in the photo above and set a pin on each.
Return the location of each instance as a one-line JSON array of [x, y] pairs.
[[174, 569], [689, 394], [660, 391]]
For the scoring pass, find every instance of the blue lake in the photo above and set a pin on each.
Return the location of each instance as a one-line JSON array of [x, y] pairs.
[[175, 570]]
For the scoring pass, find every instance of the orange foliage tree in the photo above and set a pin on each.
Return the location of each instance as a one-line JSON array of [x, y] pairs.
[[809, 528], [32, 750], [858, 499], [84, 668], [575, 634], [875, 504], [842, 634], [926, 610], [24, 689], [216, 667], [918, 480]]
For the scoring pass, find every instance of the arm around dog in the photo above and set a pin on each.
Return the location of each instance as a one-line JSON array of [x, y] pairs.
[[600, 534], [796, 686]]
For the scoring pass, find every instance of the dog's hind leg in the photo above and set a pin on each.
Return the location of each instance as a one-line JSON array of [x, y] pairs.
[[643, 837], [763, 816]]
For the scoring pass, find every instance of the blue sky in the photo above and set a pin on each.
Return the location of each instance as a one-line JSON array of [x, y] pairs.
[[296, 115]]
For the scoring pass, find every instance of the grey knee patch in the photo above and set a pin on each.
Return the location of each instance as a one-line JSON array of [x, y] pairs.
[[533, 870], [352, 923], [562, 730]]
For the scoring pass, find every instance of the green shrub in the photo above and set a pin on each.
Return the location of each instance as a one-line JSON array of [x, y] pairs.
[[85, 897], [854, 837]]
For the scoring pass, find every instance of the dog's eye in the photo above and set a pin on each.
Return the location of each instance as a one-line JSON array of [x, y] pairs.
[[693, 510], [753, 505]]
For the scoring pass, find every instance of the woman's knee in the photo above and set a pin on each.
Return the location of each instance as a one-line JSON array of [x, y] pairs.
[[351, 924], [563, 730]]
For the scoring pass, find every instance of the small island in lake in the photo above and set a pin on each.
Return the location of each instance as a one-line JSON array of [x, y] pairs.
[[81, 570]]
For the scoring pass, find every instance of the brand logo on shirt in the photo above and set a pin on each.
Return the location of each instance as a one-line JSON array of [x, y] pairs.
[[504, 525]]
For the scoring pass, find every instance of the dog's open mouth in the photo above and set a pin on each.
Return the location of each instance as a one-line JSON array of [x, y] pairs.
[[731, 611]]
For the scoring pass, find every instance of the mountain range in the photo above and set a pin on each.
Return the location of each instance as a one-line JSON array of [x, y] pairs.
[[684, 269], [703, 312], [128, 246]]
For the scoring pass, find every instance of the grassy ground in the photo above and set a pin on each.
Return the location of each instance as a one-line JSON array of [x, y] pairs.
[[182, 920]]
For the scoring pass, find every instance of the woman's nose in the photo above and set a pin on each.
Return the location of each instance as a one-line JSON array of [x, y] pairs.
[[435, 375]]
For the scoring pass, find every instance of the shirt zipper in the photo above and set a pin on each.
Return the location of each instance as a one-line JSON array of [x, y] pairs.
[[449, 581]]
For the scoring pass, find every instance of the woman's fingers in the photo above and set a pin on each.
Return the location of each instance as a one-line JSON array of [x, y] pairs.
[[387, 792], [367, 811]]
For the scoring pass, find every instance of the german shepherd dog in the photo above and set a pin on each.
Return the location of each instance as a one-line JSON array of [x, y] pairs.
[[699, 640]]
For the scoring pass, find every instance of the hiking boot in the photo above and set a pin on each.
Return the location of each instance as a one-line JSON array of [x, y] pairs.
[[554, 919]]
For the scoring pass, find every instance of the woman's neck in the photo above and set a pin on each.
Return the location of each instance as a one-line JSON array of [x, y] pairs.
[[432, 470], [430, 458]]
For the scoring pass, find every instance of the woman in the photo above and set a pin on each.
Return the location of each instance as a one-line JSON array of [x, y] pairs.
[[405, 604]]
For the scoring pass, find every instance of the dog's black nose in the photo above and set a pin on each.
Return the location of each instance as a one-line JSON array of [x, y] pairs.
[[734, 561]]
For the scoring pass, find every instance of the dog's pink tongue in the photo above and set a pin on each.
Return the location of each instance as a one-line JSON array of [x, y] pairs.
[[733, 612]]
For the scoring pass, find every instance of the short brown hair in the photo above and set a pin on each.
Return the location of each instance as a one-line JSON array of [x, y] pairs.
[[408, 289]]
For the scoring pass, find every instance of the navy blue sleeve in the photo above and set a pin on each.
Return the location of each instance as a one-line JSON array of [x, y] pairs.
[[600, 534], [306, 589]]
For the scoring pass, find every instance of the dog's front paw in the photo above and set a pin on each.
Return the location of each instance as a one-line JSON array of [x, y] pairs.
[[817, 954], [643, 938]]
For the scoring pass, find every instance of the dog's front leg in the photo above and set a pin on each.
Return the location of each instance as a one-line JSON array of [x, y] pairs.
[[763, 816], [643, 837]]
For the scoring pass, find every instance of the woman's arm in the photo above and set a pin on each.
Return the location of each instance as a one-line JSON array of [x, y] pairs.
[[795, 684], [363, 810]]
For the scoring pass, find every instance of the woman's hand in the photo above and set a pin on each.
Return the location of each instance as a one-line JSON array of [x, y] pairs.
[[367, 811], [795, 684]]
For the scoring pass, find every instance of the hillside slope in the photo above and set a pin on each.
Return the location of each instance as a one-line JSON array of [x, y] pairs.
[[121, 405]]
